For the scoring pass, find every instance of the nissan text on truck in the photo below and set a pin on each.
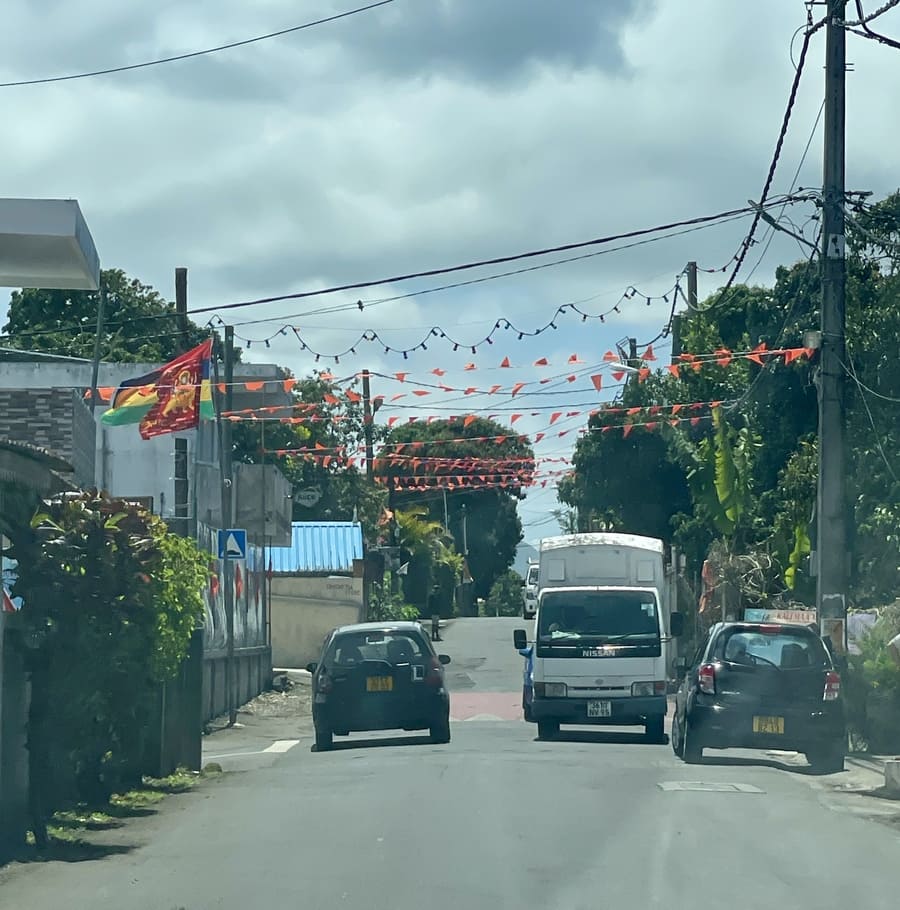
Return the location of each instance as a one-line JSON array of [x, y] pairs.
[[602, 634]]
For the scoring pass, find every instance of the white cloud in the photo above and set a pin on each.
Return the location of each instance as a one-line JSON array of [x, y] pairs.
[[418, 136]]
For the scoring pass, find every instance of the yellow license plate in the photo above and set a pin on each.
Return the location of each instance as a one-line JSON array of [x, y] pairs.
[[379, 683], [768, 725]]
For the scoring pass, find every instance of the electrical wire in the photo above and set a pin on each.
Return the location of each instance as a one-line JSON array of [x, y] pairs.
[[864, 21], [497, 260], [773, 165], [202, 53], [852, 374]]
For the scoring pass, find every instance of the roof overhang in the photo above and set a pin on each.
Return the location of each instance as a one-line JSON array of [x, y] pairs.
[[45, 243]]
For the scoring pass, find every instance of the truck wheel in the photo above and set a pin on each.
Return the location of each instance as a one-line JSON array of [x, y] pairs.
[[655, 729], [547, 729]]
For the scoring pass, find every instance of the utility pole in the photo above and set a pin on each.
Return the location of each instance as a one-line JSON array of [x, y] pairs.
[[368, 428], [832, 563], [228, 518], [181, 446], [95, 366], [691, 271]]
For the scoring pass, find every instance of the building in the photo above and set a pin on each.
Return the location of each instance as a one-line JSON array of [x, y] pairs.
[[317, 584]]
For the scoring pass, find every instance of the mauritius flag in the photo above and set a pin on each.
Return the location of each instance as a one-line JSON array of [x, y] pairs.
[[173, 398]]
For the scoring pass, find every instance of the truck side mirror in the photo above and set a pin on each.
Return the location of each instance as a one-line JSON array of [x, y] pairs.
[[681, 666], [520, 639], [676, 624]]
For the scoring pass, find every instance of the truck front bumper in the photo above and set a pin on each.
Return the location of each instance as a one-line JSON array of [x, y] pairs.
[[631, 711]]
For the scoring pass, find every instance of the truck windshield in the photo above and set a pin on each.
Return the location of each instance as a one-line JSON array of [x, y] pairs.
[[602, 616]]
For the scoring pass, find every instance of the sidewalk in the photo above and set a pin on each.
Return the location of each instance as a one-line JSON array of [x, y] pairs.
[[269, 725]]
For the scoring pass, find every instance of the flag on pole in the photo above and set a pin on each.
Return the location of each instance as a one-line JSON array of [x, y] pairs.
[[173, 398]]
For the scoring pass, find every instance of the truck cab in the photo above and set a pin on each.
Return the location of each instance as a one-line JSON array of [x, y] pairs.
[[602, 635]]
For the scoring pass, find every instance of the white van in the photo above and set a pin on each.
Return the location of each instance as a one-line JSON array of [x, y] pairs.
[[530, 590], [603, 633]]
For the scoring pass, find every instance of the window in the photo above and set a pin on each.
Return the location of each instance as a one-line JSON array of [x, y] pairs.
[[776, 646], [391, 647], [607, 615]]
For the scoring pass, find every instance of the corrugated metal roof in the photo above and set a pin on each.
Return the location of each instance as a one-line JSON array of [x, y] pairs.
[[319, 546]]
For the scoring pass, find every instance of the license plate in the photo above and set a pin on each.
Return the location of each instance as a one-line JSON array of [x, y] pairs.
[[599, 709], [768, 725], [379, 683]]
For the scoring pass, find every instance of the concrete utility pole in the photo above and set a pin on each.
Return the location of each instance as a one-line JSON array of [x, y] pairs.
[[95, 365], [228, 518], [832, 563], [691, 271], [182, 526], [368, 427]]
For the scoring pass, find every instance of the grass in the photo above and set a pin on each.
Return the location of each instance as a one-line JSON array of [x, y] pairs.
[[68, 827]]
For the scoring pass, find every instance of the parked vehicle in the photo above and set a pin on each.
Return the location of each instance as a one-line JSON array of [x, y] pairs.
[[379, 676], [761, 686], [527, 682], [530, 590], [602, 633]]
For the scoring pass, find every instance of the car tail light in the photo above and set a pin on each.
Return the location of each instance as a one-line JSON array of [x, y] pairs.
[[435, 674], [324, 684], [832, 686], [706, 679]]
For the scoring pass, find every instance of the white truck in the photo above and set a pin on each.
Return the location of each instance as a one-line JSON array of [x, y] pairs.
[[602, 635]]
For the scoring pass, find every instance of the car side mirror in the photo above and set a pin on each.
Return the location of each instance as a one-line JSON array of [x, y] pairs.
[[312, 666], [676, 624], [444, 659], [520, 639]]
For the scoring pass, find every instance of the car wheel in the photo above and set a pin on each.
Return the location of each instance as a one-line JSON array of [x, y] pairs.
[[323, 738], [440, 731], [691, 744], [547, 729], [677, 737], [655, 729], [827, 759]]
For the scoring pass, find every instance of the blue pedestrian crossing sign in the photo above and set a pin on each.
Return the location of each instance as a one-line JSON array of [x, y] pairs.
[[233, 543]]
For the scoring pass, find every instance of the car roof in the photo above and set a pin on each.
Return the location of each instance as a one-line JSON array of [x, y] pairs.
[[389, 626], [750, 626]]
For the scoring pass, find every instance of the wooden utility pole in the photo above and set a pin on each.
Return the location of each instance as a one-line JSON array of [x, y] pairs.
[[832, 562], [182, 526]]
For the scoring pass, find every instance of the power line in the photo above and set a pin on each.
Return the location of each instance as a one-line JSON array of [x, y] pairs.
[[497, 260], [773, 165], [192, 54], [852, 374]]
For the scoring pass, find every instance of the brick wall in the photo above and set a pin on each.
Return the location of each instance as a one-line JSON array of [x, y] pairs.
[[54, 419]]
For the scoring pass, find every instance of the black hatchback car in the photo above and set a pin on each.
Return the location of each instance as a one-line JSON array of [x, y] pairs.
[[379, 676], [762, 686]]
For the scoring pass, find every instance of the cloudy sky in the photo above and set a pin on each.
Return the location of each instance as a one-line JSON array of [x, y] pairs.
[[422, 134]]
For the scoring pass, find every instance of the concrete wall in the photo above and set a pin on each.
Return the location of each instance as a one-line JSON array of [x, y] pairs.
[[305, 610]]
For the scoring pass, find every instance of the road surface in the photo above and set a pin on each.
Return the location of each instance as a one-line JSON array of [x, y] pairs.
[[495, 819]]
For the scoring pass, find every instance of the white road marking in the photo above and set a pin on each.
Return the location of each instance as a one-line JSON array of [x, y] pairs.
[[282, 745], [695, 785]]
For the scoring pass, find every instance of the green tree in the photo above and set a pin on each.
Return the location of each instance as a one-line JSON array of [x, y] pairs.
[[505, 598], [424, 544], [466, 449], [111, 599], [332, 434], [139, 324]]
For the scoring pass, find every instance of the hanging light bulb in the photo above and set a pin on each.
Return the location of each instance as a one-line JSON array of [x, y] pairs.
[[267, 343]]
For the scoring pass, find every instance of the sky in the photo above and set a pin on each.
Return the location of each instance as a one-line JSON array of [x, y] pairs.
[[424, 134]]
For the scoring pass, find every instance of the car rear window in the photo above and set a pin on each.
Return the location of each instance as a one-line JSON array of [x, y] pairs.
[[781, 646], [393, 647]]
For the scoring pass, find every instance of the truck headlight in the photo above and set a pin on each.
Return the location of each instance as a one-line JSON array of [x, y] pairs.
[[642, 688], [555, 690]]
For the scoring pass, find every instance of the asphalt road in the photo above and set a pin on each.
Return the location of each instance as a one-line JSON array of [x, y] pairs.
[[495, 819]]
